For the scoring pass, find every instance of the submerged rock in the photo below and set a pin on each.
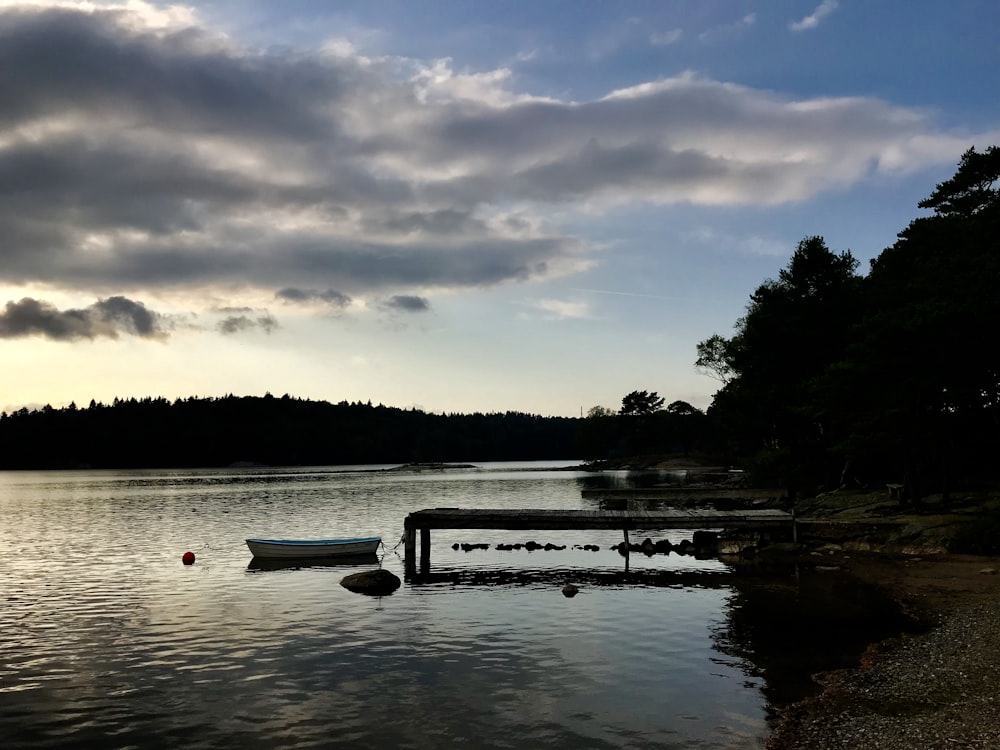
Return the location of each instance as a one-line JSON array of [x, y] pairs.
[[372, 582], [781, 552]]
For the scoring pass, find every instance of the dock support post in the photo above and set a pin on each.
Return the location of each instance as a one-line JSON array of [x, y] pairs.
[[425, 550], [409, 548]]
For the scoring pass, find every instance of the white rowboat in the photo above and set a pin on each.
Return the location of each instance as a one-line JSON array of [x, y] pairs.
[[307, 548]]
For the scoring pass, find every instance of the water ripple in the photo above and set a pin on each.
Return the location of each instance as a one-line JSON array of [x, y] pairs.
[[109, 642]]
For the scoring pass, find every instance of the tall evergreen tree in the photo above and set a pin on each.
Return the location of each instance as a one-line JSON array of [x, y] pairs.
[[795, 326], [919, 388]]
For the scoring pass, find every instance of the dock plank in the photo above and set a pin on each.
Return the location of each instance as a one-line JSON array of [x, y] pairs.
[[554, 519], [683, 494]]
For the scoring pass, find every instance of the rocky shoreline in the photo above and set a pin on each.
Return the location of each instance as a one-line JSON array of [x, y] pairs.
[[938, 689]]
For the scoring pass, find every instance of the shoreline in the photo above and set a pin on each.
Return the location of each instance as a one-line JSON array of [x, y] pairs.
[[938, 688]]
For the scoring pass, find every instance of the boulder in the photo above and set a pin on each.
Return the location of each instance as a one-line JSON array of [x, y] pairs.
[[569, 590], [706, 543], [372, 582]]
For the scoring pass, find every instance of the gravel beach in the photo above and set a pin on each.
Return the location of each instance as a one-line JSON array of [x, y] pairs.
[[938, 689]]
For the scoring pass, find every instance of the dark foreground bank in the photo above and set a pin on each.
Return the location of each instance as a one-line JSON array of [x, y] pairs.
[[938, 689]]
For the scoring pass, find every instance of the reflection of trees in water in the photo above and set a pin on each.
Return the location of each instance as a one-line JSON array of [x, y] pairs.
[[556, 577], [632, 479], [788, 627], [781, 625]]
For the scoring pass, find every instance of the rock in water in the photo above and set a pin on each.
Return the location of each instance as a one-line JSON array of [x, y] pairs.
[[569, 590], [372, 582]]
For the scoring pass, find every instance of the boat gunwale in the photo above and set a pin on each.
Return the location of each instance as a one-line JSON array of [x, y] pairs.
[[317, 542]]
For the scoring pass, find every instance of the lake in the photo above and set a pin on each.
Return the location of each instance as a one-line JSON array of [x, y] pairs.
[[108, 641]]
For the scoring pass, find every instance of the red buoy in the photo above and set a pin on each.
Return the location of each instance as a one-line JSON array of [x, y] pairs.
[[188, 558]]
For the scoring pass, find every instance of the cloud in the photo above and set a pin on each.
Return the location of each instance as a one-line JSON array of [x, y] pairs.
[[244, 322], [665, 38], [305, 296], [813, 20], [714, 239], [142, 152], [107, 318], [726, 31], [557, 309], [407, 303]]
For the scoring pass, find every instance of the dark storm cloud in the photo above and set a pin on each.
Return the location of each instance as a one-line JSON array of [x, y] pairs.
[[105, 318], [407, 303], [141, 155]]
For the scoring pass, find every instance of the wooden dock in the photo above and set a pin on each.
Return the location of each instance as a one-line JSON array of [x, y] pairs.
[[624, 520], [683, 494]]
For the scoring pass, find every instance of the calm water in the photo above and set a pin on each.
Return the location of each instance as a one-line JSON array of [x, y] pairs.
[[108, 641]]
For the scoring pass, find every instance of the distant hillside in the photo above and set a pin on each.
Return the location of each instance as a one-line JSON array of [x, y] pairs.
[[285, 431]]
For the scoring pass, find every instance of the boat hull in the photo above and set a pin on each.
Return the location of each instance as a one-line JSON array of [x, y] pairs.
[[302, 549]]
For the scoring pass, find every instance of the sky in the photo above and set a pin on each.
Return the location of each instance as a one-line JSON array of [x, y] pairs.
[[457, 206]]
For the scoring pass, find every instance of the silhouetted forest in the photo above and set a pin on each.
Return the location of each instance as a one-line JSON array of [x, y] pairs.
[[833, 378], [200, 432]]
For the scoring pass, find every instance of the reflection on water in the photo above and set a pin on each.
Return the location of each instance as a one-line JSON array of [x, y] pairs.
[[293, 563], [110, 642]]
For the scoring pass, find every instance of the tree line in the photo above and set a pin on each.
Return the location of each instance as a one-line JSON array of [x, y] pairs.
[[833, 378], [286, 431], [642, 427]]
